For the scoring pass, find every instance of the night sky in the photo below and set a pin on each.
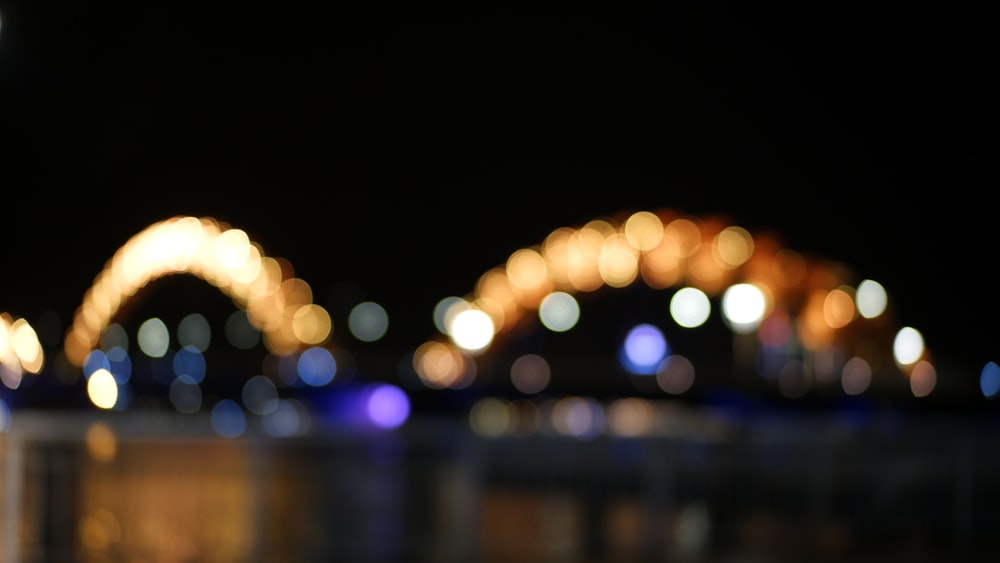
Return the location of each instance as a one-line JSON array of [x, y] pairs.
[[409, 151]]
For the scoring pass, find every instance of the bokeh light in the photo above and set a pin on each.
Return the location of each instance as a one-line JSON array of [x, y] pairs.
[[102, 389], [240, 332], [316, 366], [908, 345], [228, 419], [989, 380], [690, 307], [194, 330], [289, 418], [643, 349], [190, 361], [743, 305], [856, 376], [185, 394], [530, 373], [4, 416], [368, 321], [387, 405], [871, 299], [260, 395], [923, 378], [471, 330], [559, 311], [153, 338], [675, 374]]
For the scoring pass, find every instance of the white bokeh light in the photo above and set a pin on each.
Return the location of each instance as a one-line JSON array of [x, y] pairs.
[[559, 311], [368, 321], [871, 299], [744, 306], [471, 330], [908, 346], [153, 338], [690, 307]]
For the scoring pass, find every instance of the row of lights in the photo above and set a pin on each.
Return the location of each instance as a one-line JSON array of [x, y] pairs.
[[763, 288], [788, 300]]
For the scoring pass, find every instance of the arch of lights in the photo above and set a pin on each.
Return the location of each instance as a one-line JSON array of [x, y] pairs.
[[277, 303], [815, 306], [811, 304]]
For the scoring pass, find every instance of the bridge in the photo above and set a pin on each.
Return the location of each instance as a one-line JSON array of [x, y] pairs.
[[676, 372]]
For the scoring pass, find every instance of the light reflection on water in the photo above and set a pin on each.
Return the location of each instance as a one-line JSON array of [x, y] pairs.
[[783, 488]]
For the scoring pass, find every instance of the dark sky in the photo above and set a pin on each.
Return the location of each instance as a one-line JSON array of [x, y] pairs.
[[857, 133]]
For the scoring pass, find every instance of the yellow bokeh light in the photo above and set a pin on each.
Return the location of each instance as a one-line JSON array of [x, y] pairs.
[[732, 247], [643, 230], [101, 443], [494, 288], [556, 249], [528, 276], [682, 236], [102, 389], [838, 308], [312, 324], [619, 261], [438, 365]]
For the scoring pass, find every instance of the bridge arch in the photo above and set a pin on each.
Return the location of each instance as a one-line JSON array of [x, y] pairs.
[[814, 302], [277, 303], [821, 308]]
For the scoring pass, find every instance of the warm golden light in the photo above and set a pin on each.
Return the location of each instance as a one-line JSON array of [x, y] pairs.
[[779, 294], [556, 249], [494, 287], [276, 301], [838, 308], [528, 276], [20, 350], [682, 236], [661, 267], [102, 445], [619, 261], [643, 230], [102, 389], [732, 247], [584, 256], [312, 324], [439, 365]]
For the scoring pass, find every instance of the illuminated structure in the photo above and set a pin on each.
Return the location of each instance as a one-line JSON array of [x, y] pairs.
[[801, 321], [797, 323]]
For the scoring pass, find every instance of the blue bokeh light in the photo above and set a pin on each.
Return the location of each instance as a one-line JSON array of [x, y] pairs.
[[643, 350], [317, 366]]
